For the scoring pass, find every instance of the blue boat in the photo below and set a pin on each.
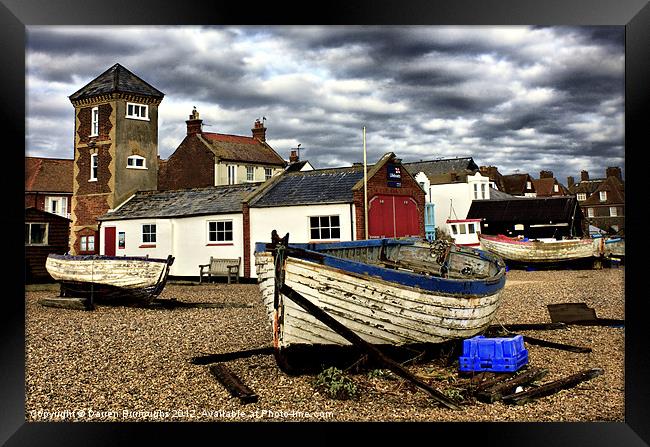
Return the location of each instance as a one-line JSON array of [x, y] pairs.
[[388, 291]]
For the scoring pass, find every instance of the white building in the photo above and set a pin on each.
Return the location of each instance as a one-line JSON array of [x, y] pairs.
[[451, 185]]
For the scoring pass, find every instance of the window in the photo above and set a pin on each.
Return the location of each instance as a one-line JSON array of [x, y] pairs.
[[324, 227], [556, 188], [87, 243], [475, 191], [136, 162], [590, 212], [220, 231], [613, 211], [250, 173], [454, 230], [462, 228], [121, 239], [94, 122], [582, 196], [137, 111], [57, 205], [94, 164], [483, 190], [35, 234], [268, 173], [232, 174], [470, 229], [149, 233], [603, 196]]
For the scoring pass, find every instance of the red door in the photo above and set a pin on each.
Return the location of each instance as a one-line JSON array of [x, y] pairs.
[[392, 216], [109, 241]]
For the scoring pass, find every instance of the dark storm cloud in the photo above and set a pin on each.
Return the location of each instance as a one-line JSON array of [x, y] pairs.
[[521, 98]]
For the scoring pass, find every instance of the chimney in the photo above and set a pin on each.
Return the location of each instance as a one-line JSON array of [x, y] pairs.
[[259, 131], [293, 158], [570, 182], [614, 172], [194, 124], [545, 174], [584, 176]]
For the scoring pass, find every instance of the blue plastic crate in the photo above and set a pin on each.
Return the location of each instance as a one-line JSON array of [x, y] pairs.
[[505, 354]]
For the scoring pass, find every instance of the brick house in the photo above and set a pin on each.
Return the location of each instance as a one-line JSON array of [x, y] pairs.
[[115, 149], [602, 200], [48, 184], [212, 159], [548, 186]]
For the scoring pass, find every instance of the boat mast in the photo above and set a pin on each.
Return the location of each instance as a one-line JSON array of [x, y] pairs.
[[365, 183]]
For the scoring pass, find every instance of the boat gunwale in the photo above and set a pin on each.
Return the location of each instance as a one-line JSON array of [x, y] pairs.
[[106, 258]]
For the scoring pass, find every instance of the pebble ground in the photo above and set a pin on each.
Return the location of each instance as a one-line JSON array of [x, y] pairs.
[[133, 364]]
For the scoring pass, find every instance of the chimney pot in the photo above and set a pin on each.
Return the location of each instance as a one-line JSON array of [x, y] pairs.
[[194, 124], [614, 172], [259, 131], [570, 182], [293, 157], [584, 176], [545, 174]]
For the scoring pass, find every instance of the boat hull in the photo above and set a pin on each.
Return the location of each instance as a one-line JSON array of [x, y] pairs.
[[539, 252], [379, 311], [104, 278]]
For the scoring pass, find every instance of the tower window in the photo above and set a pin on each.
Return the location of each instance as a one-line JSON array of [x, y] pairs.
[[136, 162], [137, 111], [94, 125], [94, 163]]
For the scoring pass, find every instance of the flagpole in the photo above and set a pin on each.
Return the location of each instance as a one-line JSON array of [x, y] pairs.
[[365, 183]]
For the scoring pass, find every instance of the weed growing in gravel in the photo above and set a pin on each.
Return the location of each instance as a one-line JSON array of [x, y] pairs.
[[380, 374], [336, 384]]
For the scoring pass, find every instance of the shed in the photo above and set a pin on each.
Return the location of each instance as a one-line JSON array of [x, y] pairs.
[[45, 233]]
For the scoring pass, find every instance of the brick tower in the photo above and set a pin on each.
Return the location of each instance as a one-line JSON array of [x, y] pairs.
[[115, 150]]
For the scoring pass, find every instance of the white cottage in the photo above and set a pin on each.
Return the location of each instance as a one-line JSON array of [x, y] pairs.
[[190, 224]]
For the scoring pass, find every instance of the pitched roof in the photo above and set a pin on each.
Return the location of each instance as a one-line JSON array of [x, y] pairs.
[[586, 186], [319, 186], [615, 192], [544, 187], [434, 168], [240, 148], [525, 209], [116, 79], [515, 183], [49, 175], [183, 202]]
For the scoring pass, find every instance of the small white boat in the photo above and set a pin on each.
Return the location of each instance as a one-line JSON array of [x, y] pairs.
[[540, 251], [108, 278], [387, 291]]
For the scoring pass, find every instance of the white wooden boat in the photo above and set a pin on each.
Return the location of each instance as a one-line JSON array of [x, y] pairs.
[[108, 278], [388, 291], [613, 247], [540, 251]]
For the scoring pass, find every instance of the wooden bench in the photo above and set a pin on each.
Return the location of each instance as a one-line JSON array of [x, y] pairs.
[[220, 267]]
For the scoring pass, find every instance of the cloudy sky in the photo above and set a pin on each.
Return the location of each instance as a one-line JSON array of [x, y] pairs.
[[523, 99]]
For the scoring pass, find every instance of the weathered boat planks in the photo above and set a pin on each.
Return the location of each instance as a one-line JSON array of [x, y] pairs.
[[540, 252]]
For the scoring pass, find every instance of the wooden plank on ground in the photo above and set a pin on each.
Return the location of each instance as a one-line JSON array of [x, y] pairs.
[[551, 344], [552, 387], [228, 356], [64, 303], [571, 312], [233, 384], [497, 391]]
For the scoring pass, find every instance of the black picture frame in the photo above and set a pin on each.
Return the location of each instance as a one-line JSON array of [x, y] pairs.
[[15, 15]]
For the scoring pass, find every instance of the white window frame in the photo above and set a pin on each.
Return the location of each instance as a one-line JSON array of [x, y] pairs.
[[94, 167], [590, 212], [94, 121], [138, 111], [250, 173], [475, 191], [613, 211], [581, 196], [62, 204], [603, 196], [462, 229], [217, 231], [232, 174], [529, 185], [132, 162], [471, 228], [556, 188], [268, 173], [29, 232], [87, 243], [454, 229], [320, 228], [483, 191], [151, 234]]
